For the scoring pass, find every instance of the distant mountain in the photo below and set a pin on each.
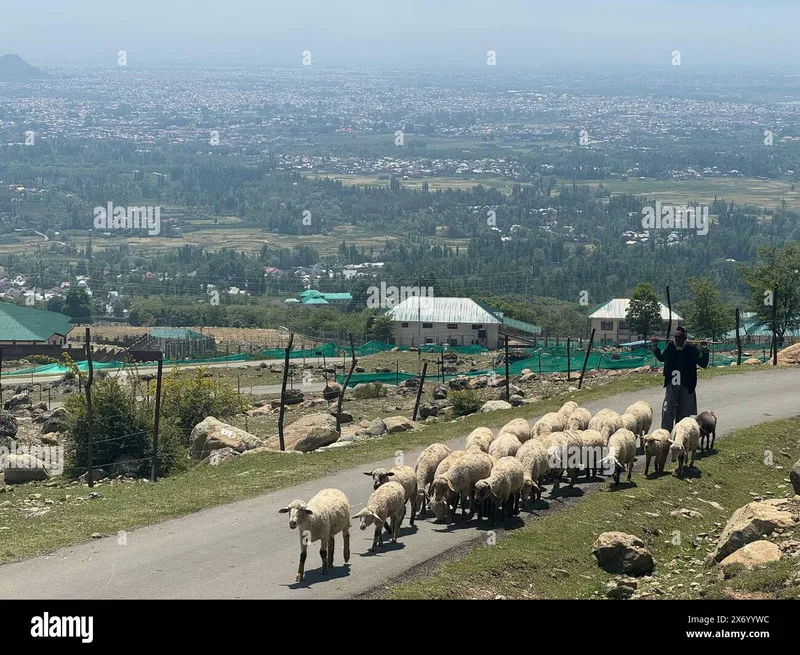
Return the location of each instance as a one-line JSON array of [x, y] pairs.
[[15, 69]]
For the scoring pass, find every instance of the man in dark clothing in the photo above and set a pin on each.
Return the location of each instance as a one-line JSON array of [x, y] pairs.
[[680, 376]]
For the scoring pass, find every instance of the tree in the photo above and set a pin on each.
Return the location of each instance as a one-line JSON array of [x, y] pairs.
[[644, 311], [78, 304], [778, 272], [382, 328], [705, 312]]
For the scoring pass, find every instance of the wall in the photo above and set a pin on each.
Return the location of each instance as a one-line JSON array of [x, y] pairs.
[[414, 335]]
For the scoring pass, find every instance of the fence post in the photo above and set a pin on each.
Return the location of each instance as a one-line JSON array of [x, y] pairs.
[[586, 358], [346, 382], [669, 324], [89, 380], [156, 418], [568, 367], [1, 379], [774, 328], [419, 390], [283, 390], [738, 341], [508, 395]]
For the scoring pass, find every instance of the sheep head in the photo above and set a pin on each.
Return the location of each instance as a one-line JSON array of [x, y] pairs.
[[527, 489], [368, 517], [298, 511], [483, 490], [675, 450], [379, 477]]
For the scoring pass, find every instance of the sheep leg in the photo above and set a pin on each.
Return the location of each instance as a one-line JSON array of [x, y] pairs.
[[397, 525], [516, 503], [377, 538], [303, 554], [630, 469], [691, 462], [330, 551], [472, 508], [647, 463], [346, 534], [413, 511], [323, 553], [713, 439]]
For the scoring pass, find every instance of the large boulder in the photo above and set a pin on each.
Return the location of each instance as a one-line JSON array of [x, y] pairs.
[[794, 477], [428, 409], [439, 392], [19, 469], [18, 401], [291, 397], [754, 554], [376, 428], [307, 433], [398, 424], [332, 391], [617, 552], [8, 428], [212, 434], [495, 405], [459, 383], [755, 520], [54, 420]]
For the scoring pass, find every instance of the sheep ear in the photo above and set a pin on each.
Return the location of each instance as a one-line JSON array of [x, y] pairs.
[[359, 515], [376, 517], [283, 510], [369, 474], [450, 484], [390, 473], [307, 511]]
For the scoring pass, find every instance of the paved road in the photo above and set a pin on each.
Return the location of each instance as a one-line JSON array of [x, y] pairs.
[[246, 550]]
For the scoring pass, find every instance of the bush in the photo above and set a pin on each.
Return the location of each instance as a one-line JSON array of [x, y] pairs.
[[370, 390], [464, 402]]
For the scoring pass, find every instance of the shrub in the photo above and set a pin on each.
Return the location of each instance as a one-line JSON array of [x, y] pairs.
[[370, 390], [464, 402]]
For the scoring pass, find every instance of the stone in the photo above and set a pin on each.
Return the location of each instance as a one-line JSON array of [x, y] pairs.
[[54, 420], [428, 409], [459, 383], [18, 401], [755, 520], [332, 391], [495, 405], [8, 427], [754, 554], [439, 392], [513, 389], [212, 434], [376, 428], [617, 552], [516, 400], [794, 477], [215, 457], [51, 439], [307, 433], [398, 424], [344, 417], [19, 469]]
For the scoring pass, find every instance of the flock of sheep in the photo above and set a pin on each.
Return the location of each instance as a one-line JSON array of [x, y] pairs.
[[499, 472]]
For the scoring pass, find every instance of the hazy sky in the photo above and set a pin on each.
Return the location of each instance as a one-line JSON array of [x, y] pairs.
[[405, 33]]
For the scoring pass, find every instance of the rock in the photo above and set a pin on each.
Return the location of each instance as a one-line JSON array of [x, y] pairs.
[[54, 420], [428, 409], [18, 401], [495, 405], [307, 433], [345, 417], [794, 476], [376, 428], [516, 400], [752, 360], [754, 520], [8, 428], [439, 392], [459, 383], [220, 455], [51, 439], [411, 383], [212, 434], [756, 553], [19, 469], [478, 382], [618, 592], [398, 424], [97, 474], [332, 391], [688, 513], [525, 371], [527, 377], [617, 552], [513, 389], [359, 369], [264, 410], [124, 465]]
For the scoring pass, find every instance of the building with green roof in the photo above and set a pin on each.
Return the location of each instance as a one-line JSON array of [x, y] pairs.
[[20, 324]]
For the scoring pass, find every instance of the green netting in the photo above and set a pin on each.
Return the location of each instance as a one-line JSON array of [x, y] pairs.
[[370, 348], [324, 350]]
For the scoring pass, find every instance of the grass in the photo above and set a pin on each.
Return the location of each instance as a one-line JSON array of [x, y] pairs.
[[523, 564], [126, 506]]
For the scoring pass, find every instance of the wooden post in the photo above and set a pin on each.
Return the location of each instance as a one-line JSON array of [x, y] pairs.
[[397, 374], [346, 382], [156, 418], [738, 340], [89, 380], [540, 363], [669, 324], [774, 328], [568, 368], [1, 378], [508, 382], [283, 390], [441, 358], [419, 390], [586, 358]]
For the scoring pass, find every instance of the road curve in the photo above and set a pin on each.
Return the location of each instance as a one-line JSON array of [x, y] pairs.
[[246, 550]]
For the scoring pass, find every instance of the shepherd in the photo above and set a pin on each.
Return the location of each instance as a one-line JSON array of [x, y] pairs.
[[681, 360]]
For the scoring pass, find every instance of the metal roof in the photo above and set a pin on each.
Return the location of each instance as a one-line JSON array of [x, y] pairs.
[[337, 296], [522, 326], [314, 301], [758, 329], [22, 323], [441, 310], [617, 308]]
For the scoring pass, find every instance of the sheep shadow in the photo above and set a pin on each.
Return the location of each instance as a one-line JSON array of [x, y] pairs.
[[654, 475], [314, 576], [536, 506], [708, 452], [689, 472], [387, 547], [623, 485], [566, 492]]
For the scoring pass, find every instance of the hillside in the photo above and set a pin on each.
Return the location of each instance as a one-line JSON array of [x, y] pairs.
[[14, 68]]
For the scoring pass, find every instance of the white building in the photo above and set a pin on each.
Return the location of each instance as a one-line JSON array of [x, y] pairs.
[[609, 320], [422, 320]]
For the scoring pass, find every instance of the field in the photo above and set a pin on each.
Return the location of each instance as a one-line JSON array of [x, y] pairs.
[[260, 337]]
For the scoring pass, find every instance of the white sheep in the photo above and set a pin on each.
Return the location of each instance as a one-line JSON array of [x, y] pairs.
[[519, 427], [425, 470], [533, 457], [502, 487], [656, 445], [566, 410], [480, 438], [564, 452], [386, 503], [506, 445], [643, 412], [406, 476], [708, 429], [685, 437], [550, 422], [460, 479], [445, 506], [621, 453], [594, 445], [630, 422], [606, 422], [579, 419], [320, 519]]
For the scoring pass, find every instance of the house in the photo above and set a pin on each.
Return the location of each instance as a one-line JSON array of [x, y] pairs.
[[419, 320], [20, 324], [609, 320], [314, 297]]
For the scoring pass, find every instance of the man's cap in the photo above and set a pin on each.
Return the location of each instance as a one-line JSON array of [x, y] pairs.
[[680, 331]]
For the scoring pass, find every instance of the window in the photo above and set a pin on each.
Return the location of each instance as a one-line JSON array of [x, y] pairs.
[[403, 324], [622, 325], [428, 339], [477, 326], [427, 325], [453, 342], [607, 326], [452, 326]]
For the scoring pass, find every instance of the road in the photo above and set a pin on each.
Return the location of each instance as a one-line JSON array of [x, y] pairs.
[[246, 549]]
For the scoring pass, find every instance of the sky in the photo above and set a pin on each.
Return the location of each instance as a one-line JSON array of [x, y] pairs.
[[524, 34]]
